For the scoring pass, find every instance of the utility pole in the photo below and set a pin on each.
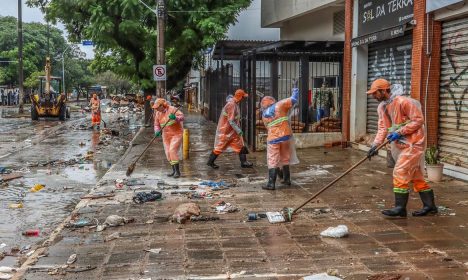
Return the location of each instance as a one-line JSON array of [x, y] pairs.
[[20, 57], [161, 55]]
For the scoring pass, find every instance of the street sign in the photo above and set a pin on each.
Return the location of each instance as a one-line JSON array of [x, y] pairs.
[[159, 72], [88, 43]]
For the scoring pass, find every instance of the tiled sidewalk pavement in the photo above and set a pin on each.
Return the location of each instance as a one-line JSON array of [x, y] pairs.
[[417, 248]]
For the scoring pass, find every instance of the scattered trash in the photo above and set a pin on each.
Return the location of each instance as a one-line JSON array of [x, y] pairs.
[[15, 205], [184, 211], [113, 236], [335, 232], [154, 251], [202, 218], [223, 207], [149, 222], [252, 216], [321, 276], [37, 188], [7, 269], [31, 232], [119, 184], [134, 182], [463, 203], [12, 176], [435, 251], [275, 217], [142, 197], [71, 259], [5, 276], [98, 195], [80, 223], [116, 220], [28, 254], [3, 245], [386, 276]]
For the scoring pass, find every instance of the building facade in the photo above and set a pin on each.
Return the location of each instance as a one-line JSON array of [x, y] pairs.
[[421, 45]]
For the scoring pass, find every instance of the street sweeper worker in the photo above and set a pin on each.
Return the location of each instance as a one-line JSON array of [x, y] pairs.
[[401, 121], [229, 135], [280, 143], [95, 105], [168, 121]]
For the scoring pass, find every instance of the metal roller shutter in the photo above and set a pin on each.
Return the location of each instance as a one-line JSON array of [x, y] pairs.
[[453, 99], [390, 60]]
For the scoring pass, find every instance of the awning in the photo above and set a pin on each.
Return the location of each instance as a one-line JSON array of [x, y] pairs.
[[382, 35]]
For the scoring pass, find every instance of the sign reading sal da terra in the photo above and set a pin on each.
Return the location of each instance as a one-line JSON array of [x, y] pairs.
[[378, 15]]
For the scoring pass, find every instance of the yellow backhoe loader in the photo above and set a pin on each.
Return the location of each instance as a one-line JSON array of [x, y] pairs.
[[49, 101]]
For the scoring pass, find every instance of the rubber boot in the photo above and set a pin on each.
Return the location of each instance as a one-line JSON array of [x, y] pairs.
[[400, 206], [244, 162], [272, 172], [176, 170], [286, 176], [173, 171], [211, 161], [280, 172], [429, 206]]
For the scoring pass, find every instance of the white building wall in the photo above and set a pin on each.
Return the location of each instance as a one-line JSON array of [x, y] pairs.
[[317, 26]]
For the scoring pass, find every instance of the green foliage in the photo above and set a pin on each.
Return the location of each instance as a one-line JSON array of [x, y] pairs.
[[114, 83], [124, 32], [35, 53], [432, 156]]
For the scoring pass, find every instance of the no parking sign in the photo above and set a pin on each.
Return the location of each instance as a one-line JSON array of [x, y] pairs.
[[159, 72]]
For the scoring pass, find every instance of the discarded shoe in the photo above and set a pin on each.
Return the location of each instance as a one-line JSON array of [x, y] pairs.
[[142, 197], [71, 259]]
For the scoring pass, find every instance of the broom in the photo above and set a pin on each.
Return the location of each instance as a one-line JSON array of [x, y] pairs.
[[288, 212], [132, 166]]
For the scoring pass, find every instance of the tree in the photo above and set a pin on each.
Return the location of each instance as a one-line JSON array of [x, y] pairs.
[[35, 52], [114, 83], [124, 32]]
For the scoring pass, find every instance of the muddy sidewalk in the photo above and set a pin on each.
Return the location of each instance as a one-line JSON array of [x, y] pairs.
[[223, 244]]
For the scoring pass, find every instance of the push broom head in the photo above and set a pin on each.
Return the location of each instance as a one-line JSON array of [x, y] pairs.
[[130, 169]]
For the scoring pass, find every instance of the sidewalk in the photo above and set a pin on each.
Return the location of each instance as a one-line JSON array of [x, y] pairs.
[[416, 248]]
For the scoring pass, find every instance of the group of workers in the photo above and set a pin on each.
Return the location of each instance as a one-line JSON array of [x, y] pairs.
[[401, 123]]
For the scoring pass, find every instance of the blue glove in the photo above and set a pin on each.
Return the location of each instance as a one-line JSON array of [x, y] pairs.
[[157, 133], [394, 136]]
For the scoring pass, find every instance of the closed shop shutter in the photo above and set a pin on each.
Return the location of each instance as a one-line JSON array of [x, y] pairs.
[[453, 100], [390, 60]]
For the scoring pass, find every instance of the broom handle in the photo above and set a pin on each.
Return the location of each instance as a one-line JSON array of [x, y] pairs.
[[154, 138], [339, 178]]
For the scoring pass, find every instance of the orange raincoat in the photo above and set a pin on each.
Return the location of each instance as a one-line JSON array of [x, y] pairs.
[[228, 132], [95, 110], [172, 132], [403, 114], [280, 142]]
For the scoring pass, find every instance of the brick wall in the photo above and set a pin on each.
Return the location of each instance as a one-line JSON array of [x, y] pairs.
[[347, 69], [420, 83]]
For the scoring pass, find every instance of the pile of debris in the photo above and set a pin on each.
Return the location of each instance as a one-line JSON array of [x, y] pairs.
[[327, 124]]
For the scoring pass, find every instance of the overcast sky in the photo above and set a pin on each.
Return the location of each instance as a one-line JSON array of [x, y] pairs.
[[10, 8]]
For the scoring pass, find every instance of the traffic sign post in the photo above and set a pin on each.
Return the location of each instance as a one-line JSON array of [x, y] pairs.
[[159, 72]]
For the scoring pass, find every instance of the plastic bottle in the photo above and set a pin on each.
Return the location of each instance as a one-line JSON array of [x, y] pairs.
[[31, 232], [16, 205], [37, 188]]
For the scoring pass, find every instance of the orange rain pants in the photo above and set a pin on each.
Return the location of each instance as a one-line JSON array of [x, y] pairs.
[[227, 132], [404, 115], [172, 132]]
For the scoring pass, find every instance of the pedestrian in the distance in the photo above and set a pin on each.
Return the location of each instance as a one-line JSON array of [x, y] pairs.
[[168, 122], [281, 152], [401, 121], [95, 105], [229, 135]]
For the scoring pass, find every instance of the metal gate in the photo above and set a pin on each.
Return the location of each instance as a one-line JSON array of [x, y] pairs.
[[453, 98], [390, 60]]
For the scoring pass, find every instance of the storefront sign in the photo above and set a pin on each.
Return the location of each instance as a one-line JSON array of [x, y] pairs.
[[379, 36], [378, 15]]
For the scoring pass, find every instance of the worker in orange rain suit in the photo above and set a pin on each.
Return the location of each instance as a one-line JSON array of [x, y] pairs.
[[168, 121], [95, 105], [280, 143], [401, 118], [228, 133]]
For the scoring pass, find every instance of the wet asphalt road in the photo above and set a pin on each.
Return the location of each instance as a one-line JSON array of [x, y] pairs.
[[26, 146]]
